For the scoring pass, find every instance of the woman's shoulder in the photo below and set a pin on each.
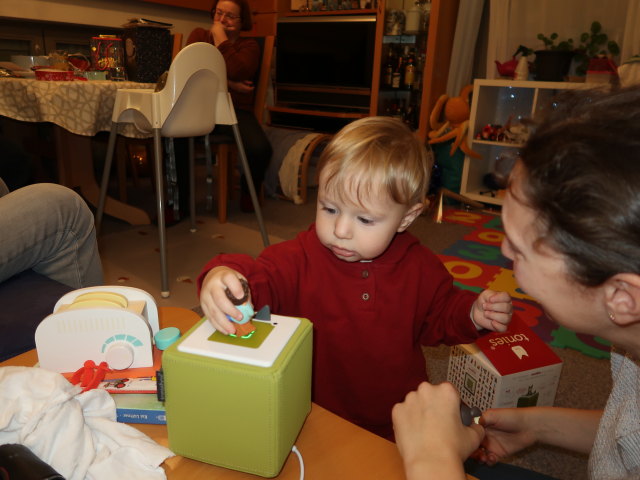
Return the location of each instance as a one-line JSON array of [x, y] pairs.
[[199, 35]]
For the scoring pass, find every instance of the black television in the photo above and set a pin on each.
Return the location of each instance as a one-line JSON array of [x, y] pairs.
[[325, 60]]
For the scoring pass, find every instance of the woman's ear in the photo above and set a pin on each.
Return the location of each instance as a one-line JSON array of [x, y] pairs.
[[622, 297], [410, 216]]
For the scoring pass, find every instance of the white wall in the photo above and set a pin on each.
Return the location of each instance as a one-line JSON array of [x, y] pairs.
[[109, 13]]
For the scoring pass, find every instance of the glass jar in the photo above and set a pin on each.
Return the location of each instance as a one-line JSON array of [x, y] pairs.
[[107, 54]]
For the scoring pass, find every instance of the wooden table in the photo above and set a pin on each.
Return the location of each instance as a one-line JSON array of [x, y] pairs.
[[78, 110], [331, 447]]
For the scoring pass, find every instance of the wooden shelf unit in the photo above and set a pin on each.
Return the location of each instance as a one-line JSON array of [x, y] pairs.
[[439, 43]]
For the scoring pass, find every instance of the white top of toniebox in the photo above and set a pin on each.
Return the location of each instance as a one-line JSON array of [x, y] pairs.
[[263, 356]]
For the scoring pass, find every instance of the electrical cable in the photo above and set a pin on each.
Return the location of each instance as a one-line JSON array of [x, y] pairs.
[[297, 452]]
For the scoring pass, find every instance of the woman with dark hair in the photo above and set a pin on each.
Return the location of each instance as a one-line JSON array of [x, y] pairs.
[[572, 228], [242, 57]]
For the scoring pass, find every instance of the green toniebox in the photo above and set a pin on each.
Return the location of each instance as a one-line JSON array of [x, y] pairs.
[[239, 402]]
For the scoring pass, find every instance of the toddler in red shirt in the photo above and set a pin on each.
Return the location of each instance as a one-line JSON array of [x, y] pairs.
[[374, 294]]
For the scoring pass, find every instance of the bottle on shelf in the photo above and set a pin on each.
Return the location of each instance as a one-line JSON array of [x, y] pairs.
[[426, 15], [411, 116], [387, 71], [409, 77], [413, 19], [396, 77], [399, 111]]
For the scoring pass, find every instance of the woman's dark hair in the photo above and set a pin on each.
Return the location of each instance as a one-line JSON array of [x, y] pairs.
[[245, 13], [582, 178]]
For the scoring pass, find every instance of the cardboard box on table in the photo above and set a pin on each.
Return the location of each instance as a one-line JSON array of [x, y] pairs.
[[511, 369], [237, 406]]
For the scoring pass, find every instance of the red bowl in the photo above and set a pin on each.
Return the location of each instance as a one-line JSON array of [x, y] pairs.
[[52, 74]]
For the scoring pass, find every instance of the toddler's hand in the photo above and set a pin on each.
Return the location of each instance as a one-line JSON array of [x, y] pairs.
[[492, 310], [214, 301]]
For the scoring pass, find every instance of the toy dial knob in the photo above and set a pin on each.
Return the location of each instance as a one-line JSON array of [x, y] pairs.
[[119, 356]]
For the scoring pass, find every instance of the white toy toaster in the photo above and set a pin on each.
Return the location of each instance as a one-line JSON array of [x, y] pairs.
[[113, 324]]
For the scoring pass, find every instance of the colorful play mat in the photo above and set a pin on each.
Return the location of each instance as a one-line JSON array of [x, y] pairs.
[[476, 263]]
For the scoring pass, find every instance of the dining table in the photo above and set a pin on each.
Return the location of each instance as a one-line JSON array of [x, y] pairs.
[[330, 446], [78, 110]]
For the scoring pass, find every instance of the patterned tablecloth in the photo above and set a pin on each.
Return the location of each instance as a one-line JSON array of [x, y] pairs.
[[79, 107]]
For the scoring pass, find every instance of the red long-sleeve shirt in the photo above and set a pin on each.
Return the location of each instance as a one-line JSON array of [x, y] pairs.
[[370, 318], [242, 58]]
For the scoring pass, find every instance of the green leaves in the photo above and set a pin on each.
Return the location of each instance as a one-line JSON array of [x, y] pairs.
[[592, 44], [550, 42]]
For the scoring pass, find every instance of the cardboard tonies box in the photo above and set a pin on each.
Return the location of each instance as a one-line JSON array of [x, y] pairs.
[[511, 369]]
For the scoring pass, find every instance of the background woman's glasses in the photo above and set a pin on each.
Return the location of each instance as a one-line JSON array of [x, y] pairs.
[[221, 14]]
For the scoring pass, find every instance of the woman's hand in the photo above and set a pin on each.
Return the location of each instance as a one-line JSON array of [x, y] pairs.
[[214, 301], [506, 432], [243, 86], [218, 33], [509, 430], [430, 435]]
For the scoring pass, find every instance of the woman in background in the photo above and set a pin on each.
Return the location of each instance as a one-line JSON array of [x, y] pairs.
[[242, 56]]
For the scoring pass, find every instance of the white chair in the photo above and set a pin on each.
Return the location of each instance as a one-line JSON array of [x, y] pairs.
[[194, 98]]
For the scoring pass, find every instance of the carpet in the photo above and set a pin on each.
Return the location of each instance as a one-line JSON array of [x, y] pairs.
[[476, 263], [130, 256]]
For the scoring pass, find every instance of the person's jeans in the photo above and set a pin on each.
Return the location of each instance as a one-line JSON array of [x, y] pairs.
[[50, 229]]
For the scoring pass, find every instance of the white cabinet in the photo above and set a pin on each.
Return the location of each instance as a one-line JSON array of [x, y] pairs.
[[496, 103]]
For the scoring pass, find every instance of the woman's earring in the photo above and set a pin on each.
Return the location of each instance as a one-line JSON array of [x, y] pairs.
[[612, 317]]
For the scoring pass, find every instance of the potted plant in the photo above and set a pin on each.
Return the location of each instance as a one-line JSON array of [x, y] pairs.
[[553, 62], [593, 44]]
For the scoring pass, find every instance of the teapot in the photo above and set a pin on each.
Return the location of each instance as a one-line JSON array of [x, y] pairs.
[[508, 68]]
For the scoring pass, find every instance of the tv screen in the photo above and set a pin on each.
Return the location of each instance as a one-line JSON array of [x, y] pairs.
[[326, 51]]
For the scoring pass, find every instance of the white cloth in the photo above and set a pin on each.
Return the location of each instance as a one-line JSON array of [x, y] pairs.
[[76, 433]]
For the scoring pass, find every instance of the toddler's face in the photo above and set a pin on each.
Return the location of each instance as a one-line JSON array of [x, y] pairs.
[[355, 231]]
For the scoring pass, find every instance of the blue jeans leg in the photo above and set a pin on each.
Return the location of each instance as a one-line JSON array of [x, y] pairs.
[[50, 229]]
